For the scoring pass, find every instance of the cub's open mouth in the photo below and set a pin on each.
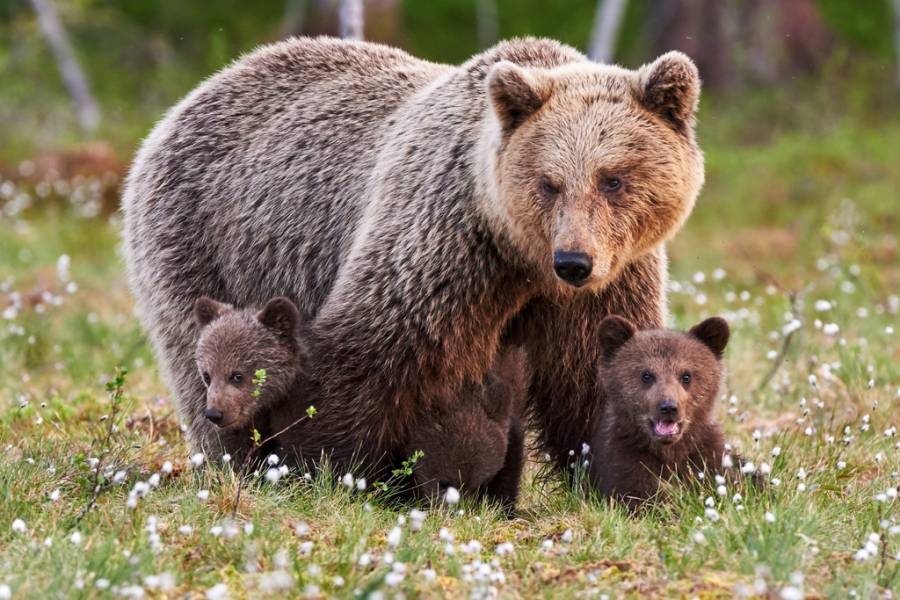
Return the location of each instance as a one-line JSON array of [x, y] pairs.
[[666, 431]]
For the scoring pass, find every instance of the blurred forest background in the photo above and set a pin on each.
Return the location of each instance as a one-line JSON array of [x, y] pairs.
[[139, 56]]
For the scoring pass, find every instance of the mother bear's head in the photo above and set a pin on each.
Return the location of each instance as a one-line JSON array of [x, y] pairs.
[[590, 166]]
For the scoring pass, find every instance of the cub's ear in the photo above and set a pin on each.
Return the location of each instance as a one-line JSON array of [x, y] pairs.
[[670, 87], [207, 310], [614, 332], [281, 316], [714, 334], [515, 93]]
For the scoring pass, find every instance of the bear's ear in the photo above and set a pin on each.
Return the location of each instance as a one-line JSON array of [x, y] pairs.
[[714, 334], [207, 310], [670, 87], [281, 316], [614, 332], [515, 94]]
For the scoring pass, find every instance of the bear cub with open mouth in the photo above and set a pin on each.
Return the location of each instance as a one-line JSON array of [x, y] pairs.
[[660, 387]]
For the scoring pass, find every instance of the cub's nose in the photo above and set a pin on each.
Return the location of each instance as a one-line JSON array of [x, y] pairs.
[[572, 267], [214, 415], [668, 408]]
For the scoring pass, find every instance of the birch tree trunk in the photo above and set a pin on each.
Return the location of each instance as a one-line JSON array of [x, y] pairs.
[[607, 22], [85, 105], [351, 19]]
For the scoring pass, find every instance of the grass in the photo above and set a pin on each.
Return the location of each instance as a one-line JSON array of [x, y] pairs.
[[806, 210]]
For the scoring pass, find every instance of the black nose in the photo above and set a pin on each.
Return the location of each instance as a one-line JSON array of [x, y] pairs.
[[214, 415], [668, 408], [572, 267]]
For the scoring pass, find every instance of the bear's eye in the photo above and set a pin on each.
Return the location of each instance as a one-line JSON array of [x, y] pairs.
[[685, 378], [206, 378], [548, 188], [647, 377], [610, 184], [237, 377]]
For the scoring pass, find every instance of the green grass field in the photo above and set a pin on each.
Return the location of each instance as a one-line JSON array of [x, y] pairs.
[[795, 234]]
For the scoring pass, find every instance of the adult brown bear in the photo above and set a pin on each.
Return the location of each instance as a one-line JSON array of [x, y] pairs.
[[423, 214]]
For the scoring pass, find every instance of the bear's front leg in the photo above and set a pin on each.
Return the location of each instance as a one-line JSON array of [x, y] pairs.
[[565, 395]]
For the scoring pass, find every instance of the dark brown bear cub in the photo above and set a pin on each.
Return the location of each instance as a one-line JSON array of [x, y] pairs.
[[660, 387], [475, 443], [233, 345]]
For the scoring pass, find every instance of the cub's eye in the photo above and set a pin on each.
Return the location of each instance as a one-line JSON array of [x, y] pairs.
[[610, 184], [685, 378], [237, 377], [647, 377], [206, 378], [548, 188]]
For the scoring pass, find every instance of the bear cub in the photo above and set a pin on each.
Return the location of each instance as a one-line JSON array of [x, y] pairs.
[[233, 345], [661, 387], [476, 441], [473, 441]]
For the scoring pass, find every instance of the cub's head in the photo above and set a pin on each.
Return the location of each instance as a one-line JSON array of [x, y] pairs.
[[591, 166], [660, 382], [465, 441], [236, 343]]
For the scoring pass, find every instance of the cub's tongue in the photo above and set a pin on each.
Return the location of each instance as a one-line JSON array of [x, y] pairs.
[[665, 428]]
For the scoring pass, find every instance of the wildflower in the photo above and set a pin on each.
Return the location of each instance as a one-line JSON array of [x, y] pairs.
[[197, 459], [393, 579], [822, 305], [364, 560], [830, 329], [585, 449], [712, 514], [217, 592], [301, 529], [19, 526], [306, 548], [273, 475], [361, 484], [721, 490], [770, 517], [504, 549], [791, 327], [226, 458], [566, 536], [75, 538], [727, 463], [429, 575], [748, 467], [185, 530], [347, 480], [451, 496], [393, 538], [203, 495], [841, 465], [272, 459], [547, 545], [167, 467], [699, 538], [765, 469]]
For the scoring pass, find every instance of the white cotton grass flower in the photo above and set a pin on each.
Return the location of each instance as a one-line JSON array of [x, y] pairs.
[[504, 549], [429, 575], [416, 518], [451, 496], [203, 495], [75, 538], [394, 537], [272, 459], [18, 526], [831, 329], [185, 530], [770, 517], [776, 451], [822, 305], [273, 475], [712, 514], [167, 467], [567, 536], [226, 458], [699, 538], [347, 480], [217, 592], [361, 484], [197, 459], [792, 326]]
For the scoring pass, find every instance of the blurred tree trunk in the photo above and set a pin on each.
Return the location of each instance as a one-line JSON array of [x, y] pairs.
[[85, 105], [351, 19], [294, 19], [607, 22], [897, 37], [488, 22], [734, 43]]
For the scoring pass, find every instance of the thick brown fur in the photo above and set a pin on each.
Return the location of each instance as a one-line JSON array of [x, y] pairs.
[[476, 442], [233, 345], [415, 210], [657, 380]]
